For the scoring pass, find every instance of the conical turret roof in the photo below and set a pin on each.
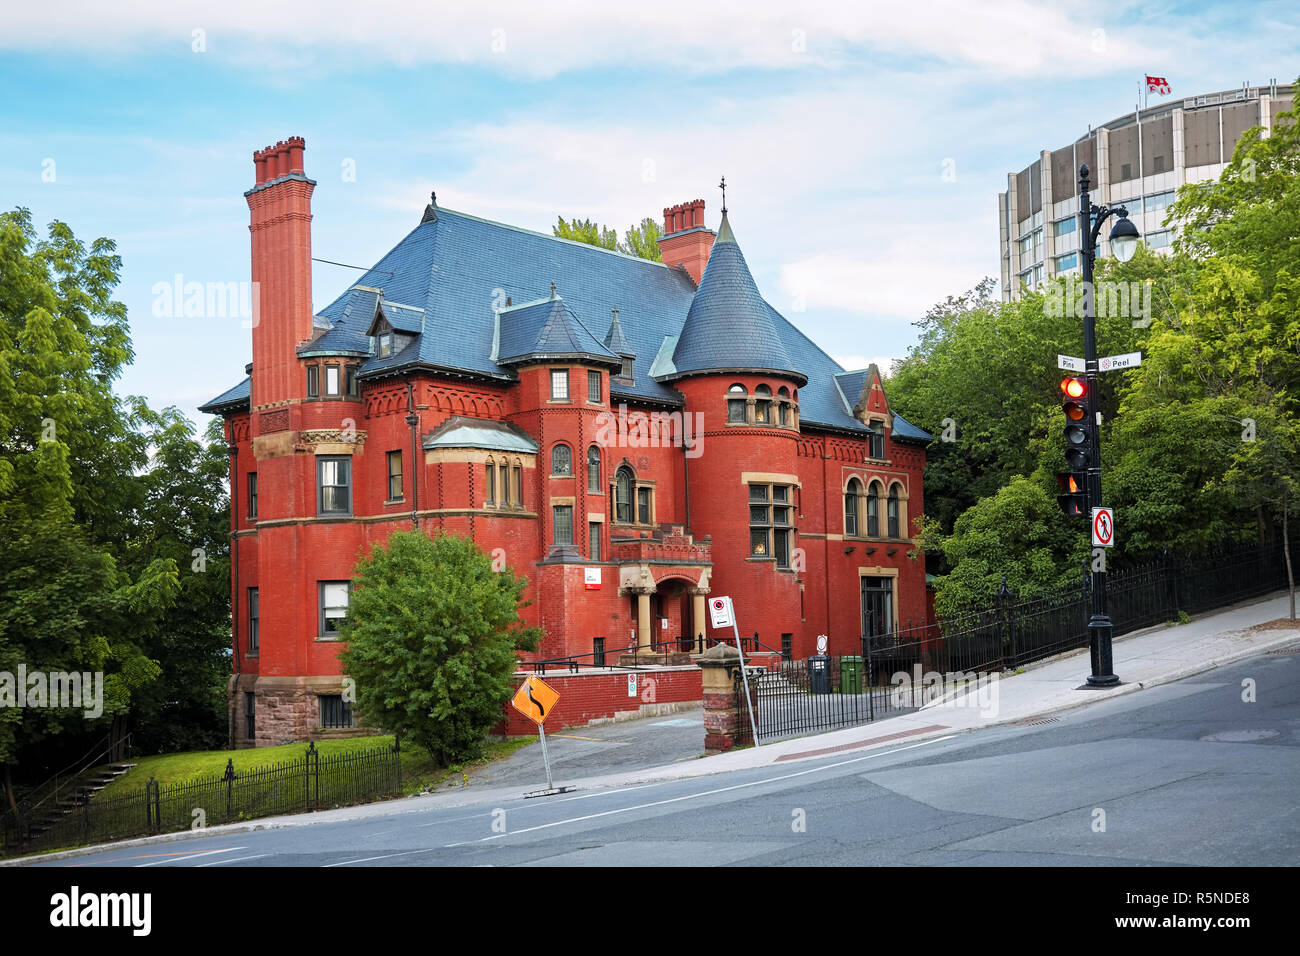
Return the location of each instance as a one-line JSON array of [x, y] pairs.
[[729, 327]]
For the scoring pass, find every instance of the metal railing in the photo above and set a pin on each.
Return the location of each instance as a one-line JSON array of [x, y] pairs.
[[313, 781], [821, 693]]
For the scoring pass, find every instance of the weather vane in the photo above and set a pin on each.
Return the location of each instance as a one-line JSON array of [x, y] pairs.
[[723, 186]]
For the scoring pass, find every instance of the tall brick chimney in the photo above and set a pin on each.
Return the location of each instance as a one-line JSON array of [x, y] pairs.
[[686, 241], [279, 205]]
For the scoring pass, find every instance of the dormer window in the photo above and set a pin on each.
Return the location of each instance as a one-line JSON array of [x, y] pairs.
[[626, 370], [384, 344], [877, 440]]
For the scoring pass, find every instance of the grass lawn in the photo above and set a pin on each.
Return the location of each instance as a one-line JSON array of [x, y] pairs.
[[419, 772]]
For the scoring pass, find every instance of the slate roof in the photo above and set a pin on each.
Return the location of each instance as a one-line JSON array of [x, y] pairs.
[[230, 400], [615, 340], [729, 326], [546, 330], [459, 269], [460, 431]]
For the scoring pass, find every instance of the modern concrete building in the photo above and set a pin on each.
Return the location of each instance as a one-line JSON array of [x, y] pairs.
[[1137, 160]]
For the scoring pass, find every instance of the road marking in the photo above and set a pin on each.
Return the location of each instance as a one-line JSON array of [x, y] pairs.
[[386, 856], [238, 859], [177, 859], [708, 793], [126, 859], [855, 745], [601, 793], [599, 740]]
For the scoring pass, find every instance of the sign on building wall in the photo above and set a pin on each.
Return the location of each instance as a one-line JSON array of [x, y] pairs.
[[591, 578]]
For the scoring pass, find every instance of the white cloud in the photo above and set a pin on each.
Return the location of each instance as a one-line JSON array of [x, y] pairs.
[[999, 37], [902, 276]]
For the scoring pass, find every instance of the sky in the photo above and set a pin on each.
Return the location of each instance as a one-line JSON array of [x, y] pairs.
[[864, 144]]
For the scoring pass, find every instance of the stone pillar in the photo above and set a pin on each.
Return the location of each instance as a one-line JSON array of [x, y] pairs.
[[721, 703], [699, 614], [643, 629]]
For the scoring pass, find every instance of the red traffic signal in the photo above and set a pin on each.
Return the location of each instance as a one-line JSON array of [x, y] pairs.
[[1075, 392]]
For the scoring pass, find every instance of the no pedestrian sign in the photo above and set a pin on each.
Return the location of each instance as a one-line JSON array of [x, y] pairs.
[[720, 611], [1103, 527]]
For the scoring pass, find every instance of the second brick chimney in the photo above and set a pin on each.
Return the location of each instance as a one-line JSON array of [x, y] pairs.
[[686, 240], [279, 206]]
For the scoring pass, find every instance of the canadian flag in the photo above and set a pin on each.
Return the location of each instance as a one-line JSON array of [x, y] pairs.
[[1158, 84]]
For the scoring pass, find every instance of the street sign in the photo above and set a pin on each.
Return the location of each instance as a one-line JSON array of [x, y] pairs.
[[535, 699], [1112, 362], [631, 685], [1103, 527], [1069, 363], [720, 611]]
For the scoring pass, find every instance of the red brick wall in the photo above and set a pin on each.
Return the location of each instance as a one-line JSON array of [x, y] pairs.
[[587, 696]]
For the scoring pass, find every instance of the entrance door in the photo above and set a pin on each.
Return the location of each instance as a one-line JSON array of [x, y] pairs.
[[877, 606]]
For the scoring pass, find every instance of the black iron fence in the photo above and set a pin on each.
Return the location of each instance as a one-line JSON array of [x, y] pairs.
[[900, 670], [314, 781]]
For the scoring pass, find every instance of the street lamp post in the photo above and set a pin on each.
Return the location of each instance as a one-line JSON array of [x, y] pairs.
[[1123, 239]]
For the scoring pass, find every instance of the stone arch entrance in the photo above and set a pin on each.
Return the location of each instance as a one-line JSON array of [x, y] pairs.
[[667, 605]]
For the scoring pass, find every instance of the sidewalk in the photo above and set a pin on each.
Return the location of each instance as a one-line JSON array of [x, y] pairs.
[[1157, 655], [1147, 658]]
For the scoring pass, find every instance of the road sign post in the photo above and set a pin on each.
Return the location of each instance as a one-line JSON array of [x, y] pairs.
[[535, 699], [723, 613]]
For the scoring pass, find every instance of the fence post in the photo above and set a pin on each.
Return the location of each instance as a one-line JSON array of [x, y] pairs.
[[151, 821], [229, 778], [1004, 618], [1171, 577], [311, 764], [85, 814]]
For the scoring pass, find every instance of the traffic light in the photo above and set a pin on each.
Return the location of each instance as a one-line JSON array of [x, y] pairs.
[[1078, 448], [1074, 493]]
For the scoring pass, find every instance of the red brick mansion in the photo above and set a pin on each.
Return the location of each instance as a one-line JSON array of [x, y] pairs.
[[630, 435]]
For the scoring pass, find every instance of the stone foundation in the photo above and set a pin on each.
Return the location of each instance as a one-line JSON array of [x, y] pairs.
[[287, 711]]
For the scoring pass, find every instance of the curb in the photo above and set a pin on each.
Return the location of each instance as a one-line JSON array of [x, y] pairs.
[[648, 775]]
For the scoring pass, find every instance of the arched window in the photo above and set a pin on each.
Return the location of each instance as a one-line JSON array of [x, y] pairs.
[[762, 405], [873, 511], [624, 482], [593, 469], [736, 404], [893, 511], [561, 460], [490, 472], [783, 406], [851, 498]]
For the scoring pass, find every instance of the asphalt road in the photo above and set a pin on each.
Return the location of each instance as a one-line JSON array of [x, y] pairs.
[[1184, 773]]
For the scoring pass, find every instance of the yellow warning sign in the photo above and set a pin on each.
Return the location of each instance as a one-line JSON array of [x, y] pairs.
[[535, 699]]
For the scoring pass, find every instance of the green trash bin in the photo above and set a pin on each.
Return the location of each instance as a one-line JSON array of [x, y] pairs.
[[851, 674]]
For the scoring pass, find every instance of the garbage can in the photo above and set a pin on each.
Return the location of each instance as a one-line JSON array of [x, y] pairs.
[[819, 674], [851, 672]]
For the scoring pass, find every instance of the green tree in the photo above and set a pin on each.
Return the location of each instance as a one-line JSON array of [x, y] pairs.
[[184, 516], [1017, 532], [432, 634], [641, 240], [69, 454]]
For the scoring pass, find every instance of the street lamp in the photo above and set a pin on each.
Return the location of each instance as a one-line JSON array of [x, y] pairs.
[[1123, 237]]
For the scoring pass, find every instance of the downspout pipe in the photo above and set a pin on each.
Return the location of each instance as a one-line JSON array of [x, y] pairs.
[[413, 420]]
